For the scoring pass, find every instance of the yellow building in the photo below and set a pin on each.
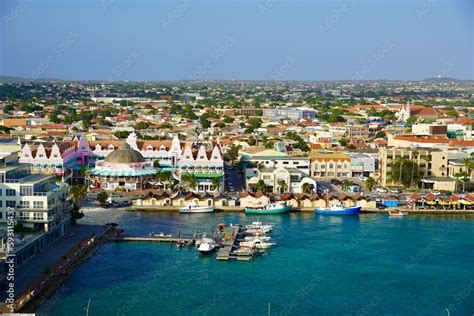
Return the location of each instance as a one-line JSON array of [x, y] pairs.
[[330, 164]]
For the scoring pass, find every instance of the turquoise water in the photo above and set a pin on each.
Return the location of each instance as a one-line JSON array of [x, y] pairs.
[[366, 265]]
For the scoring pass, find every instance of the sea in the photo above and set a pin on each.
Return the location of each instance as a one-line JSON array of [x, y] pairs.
[[321, 265]]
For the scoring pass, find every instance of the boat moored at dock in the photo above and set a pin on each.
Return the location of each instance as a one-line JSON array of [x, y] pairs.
[[338, 210], [279, 207], [207, 245], [194, 208]]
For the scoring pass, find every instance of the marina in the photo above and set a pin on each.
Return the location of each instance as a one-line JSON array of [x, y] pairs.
[[319, 265]]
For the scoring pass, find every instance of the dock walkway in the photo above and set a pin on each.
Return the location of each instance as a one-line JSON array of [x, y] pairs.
[[228, 244]]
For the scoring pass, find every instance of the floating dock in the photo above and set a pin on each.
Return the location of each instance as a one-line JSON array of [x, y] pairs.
[[227, 244], [151, 239]]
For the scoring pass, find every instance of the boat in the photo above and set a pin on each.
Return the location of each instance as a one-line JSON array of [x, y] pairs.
[[264, 238], [259, 225], [279, 207], [194, 208], [338, 210], [397, 213], [256, 243], [207, 245]]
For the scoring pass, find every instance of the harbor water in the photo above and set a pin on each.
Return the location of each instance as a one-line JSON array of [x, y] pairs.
[[322, 265]]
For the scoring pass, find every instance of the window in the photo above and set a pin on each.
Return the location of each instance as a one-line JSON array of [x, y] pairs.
[[1, 204], [24, 215], [26, 190], [24, 204], [38, 204], [1, 215], [10, 192], [38, 216], [11, 204], [1, 192]]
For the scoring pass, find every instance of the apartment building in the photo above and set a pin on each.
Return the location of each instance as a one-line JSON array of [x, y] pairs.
[[38, 203], [432, 165], [330, 164], [364, 164]]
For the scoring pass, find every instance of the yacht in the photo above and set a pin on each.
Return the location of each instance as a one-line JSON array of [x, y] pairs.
[[207, 245], [194, 208]]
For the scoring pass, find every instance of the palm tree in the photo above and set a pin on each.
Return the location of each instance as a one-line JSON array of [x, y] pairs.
[[190, 180], [427, 159], [346, 184], [282, 185], [260, 186], [415, 155], [216, 183], [370, 183], [307, 187], [78, 193], [458, 177]]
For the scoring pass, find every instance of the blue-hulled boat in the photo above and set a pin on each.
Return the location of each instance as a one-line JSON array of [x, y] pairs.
[[338, 210]]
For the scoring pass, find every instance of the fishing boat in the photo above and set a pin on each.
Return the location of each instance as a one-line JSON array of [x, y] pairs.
[[337, 209], [207, 245], [271, 208], [194, 208], [397, 213]]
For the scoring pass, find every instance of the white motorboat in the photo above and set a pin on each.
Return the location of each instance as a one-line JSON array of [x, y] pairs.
[[263, 238], [259, 225], [257, 243], [207, 245], [194, 208]]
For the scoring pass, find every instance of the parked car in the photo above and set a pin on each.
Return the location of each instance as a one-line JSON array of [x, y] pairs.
[[381, 190], [395, 190], [336, 182]]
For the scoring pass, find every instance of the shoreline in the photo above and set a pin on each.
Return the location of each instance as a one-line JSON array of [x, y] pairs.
[[46, 285], [235, 209], [43, 286]]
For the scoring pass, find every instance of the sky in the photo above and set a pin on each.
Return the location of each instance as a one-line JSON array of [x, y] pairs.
[[142, 40]]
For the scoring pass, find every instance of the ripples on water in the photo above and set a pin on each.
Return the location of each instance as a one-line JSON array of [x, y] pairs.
[[322, 265]]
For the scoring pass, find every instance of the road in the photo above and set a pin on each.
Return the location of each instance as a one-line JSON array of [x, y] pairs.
[[233, 180], [28, 271]]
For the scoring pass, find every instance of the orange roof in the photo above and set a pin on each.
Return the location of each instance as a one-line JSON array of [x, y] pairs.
[[461, 143], [422, 139], [465, 121]]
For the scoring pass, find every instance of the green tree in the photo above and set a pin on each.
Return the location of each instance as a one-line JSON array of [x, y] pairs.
[[282, 185], [370, 183], [260, 186], [102, 197], [216, 183], [190, 180], [405, 171], [78, 193], [380, 134], [307, 187]]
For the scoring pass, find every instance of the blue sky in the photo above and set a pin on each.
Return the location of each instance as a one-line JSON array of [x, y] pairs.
[[261, 39]]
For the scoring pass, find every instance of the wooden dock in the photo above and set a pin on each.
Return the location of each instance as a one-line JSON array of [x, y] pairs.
[[151, 239], [228, 243]]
